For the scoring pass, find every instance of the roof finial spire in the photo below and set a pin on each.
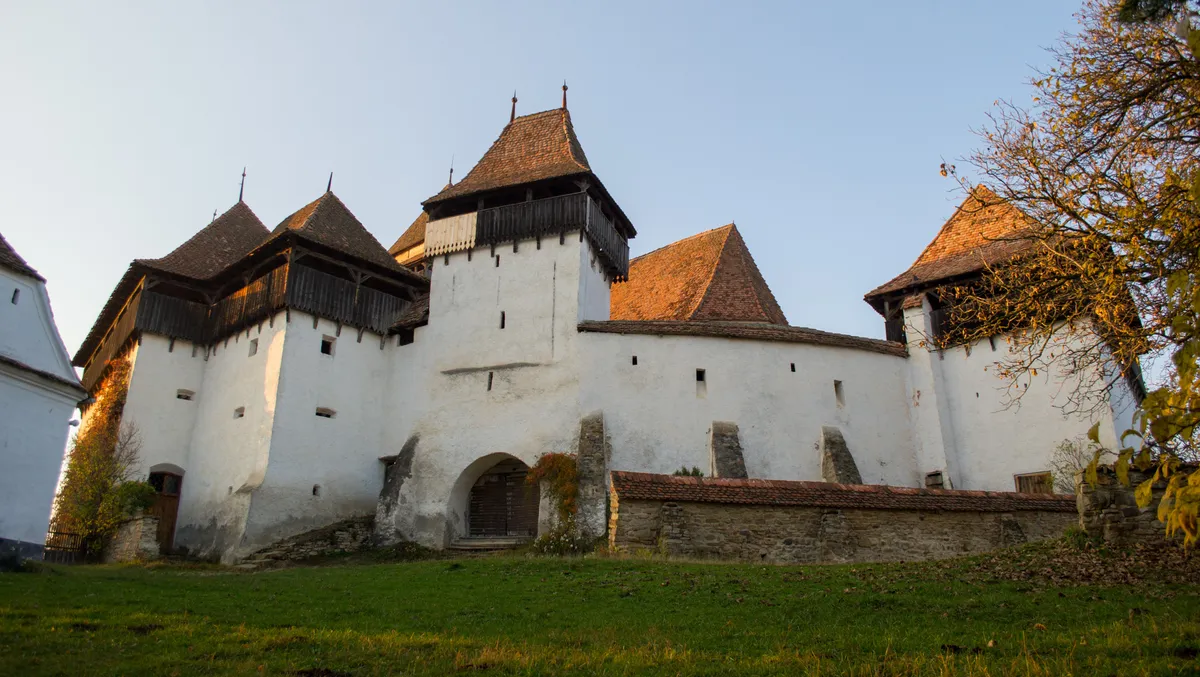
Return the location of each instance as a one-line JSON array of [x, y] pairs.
[[513, 115], [564, 94], [214, 216], [242, 188], [451, 181], [329, 186]]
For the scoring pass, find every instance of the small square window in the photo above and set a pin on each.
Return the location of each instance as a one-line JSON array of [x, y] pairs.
[[635, 360], [1035, 483], [253, 347], [327, 345], [325, 412], [934, 480], [793, 367], [182, 394], [240, 412], [700, 376]]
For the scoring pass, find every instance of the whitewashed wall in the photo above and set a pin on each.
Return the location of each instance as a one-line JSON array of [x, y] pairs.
[[33, 436], [986, 438], [658, 421], [228, 456], [27, 330], [340, 455], [159, 370]]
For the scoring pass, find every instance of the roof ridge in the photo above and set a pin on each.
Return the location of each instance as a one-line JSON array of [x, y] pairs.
[[689, 237], [712, 274]]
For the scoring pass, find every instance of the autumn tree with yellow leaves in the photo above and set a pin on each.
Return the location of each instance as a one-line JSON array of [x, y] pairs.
[[1105, 165]]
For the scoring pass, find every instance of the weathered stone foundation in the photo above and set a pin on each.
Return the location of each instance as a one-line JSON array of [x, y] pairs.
[[725, 447], [1110, 512], [350, 535], [837, 463], [135, 541], [816, 522], [592, 460]]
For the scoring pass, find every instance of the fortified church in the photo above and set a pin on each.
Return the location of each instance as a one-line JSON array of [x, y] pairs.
[[284, 379]]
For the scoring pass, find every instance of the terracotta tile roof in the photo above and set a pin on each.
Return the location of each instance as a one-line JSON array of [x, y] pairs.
[[9, 258], [217, 246], [709, 276], [983, 231], [648, 487], [326, 221], [530, 148], [416, 315], [412, 237], [754, 331]]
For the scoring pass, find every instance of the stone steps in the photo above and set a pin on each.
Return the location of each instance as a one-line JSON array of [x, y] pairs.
[[486, 543]]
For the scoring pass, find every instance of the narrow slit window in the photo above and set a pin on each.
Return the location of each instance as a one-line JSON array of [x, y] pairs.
[[839, 393], [490, 375], [327, 345], [182, 394], [253, 347], [701, 384], [635, 360], [316, 490], [699, 376], [240, 412], [793, 367], [325, 412], [501, 319], [497, 260], [16, 296]]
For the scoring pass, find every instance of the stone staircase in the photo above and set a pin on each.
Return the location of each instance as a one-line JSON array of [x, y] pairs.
[[487, 543]]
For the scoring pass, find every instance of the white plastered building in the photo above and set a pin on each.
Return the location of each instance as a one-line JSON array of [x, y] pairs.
[[38, 395], [283, 380]]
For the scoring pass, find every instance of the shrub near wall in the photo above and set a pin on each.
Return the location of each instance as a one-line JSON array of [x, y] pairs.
[[818, 522]]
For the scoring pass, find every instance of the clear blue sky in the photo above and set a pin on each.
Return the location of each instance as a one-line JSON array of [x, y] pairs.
[[817, 128]]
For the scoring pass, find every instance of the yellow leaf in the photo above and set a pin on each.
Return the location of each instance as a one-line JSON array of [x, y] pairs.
[[1144, 493], [1094, 432]]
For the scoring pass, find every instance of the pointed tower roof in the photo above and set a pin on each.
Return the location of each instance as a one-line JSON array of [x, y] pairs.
[[9, 258], [326, 221], [217, 246], [531, 148], [707, 277], [984, 230]]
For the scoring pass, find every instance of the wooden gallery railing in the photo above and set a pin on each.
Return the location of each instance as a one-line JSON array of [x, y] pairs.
[[555, 216]]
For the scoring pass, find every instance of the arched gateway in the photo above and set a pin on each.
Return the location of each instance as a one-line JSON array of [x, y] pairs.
[[497, 506]]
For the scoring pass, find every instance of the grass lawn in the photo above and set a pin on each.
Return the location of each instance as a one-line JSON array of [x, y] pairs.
[[518, 615]]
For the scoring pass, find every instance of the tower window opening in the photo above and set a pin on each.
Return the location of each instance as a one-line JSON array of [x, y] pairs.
[[316, 490], [934, 480], [793, 367], [501, 319], [497, 260], [490, 376], [253, 347], [839, 394], [325, 412], [182, 394], [327, 345], [635, 360], [240, 412], [700, 376], [16, 296]]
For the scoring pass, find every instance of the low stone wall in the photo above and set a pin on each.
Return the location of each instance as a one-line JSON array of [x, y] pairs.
[[819, 522], [1109, 511], [350, 535], [135, 541]]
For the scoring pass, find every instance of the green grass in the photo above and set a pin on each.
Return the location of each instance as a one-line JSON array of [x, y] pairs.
[[515, 615]]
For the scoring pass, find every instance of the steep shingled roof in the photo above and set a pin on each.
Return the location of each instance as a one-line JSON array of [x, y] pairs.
[[752, 331], [530, 148], [413, 236], [216, 247], [648, 487], [9, 258], [983, 231], [327, 221], [706, 277]]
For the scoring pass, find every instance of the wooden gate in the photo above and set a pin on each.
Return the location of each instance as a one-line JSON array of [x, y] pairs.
[[166, 507], [501, 504]]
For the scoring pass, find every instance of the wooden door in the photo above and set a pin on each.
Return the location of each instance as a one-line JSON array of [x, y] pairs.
[[166, 507], [502, 504]]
